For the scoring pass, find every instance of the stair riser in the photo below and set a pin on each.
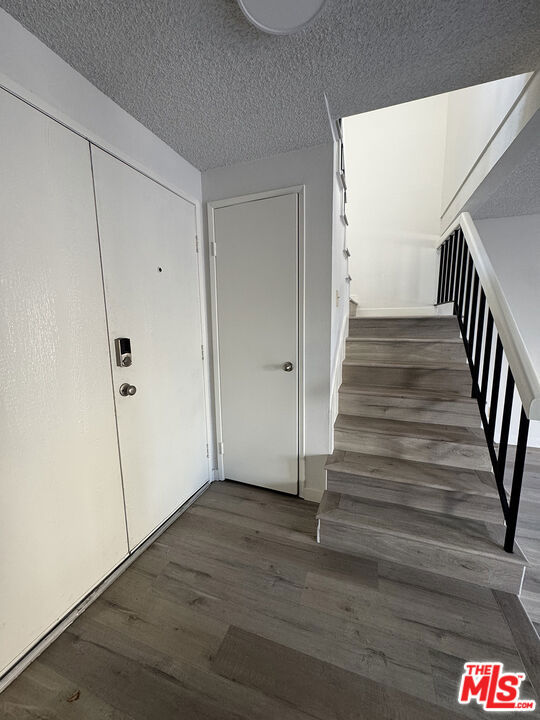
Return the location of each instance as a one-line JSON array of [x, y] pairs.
[[375, 468], [456, 504], [396, 352], [409, 409], [366, 542], [473, 457], [447, 381], [408, 329]]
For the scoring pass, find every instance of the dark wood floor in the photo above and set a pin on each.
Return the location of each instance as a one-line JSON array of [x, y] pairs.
[[236, 612]]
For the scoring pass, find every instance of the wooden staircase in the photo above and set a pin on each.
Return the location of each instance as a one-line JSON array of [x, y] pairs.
[[410, 479]]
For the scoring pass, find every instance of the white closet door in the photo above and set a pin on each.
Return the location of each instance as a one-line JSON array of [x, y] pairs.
[[62, 524], [257, 308], [147, 236]]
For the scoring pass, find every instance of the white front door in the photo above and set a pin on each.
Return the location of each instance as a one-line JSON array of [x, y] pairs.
[[62, 525], [256, 296], [150, 269]]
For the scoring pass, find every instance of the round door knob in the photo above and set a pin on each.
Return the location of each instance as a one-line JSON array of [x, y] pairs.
[[288, 366], [126, 389]]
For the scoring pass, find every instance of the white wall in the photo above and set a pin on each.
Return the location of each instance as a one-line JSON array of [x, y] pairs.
[[394, 160], [483, 121], [311, 167], [513, 246]]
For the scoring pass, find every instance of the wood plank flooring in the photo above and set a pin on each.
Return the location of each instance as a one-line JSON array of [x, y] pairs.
[[236, 613]]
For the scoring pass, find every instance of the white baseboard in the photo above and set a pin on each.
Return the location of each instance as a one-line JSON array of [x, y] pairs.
[[312, 494], [397, 312]]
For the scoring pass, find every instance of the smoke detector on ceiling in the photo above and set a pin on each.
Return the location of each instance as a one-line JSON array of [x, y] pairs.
[[281, 17]]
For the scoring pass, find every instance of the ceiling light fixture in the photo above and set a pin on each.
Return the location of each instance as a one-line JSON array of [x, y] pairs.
[[281, 17]]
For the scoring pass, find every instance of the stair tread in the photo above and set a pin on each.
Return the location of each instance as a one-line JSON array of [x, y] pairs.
[[413, 429], [412, 473], [444, 531], [471, 505], [404, 353], [404, 392]]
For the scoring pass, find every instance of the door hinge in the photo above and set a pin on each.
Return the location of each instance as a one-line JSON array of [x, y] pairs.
[[207, 451], [213, 249], [221, 449], [196, 244], [202, 351]]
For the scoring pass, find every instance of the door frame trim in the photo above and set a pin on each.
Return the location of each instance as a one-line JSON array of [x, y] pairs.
[[212, 206]]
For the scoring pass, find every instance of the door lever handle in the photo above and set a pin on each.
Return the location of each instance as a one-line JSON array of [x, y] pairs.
[[287, 366]]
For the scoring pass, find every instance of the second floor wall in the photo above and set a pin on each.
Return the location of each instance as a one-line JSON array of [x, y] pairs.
[[411, 169]]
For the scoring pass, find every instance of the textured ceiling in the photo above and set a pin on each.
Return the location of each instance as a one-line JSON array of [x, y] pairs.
[[518, 194], [219, 91]]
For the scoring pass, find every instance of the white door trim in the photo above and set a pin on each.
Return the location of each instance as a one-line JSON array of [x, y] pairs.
[[298, 190]]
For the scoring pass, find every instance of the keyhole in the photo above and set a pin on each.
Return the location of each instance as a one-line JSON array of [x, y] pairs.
[[160, 269]]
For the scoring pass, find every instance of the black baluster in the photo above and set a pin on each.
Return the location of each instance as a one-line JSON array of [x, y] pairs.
[[439, 286], [458, 279], [449, 267], [452, 297], [445, 265]]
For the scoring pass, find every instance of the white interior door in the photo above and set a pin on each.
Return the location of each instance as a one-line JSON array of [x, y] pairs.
[[150, 268], [62, 524], [256, 293]]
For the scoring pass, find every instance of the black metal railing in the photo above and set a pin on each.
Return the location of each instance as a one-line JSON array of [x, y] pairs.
[[460, 284]]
